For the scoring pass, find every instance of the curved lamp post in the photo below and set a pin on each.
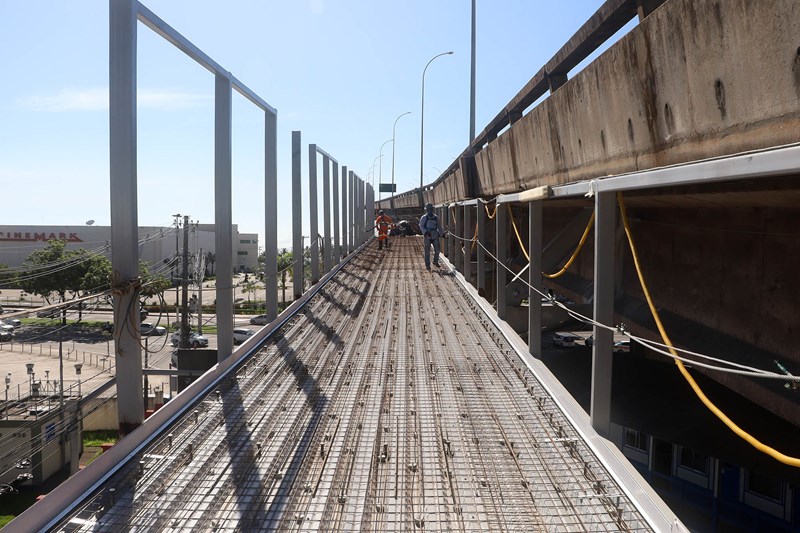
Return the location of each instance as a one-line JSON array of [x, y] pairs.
[[393, 146], [422, 115], [380, 167]]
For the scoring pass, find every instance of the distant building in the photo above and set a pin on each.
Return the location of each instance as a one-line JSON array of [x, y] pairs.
[[157, 245]]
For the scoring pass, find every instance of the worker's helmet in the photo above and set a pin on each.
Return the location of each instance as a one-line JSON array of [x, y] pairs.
[[429, 206], [380, 212]]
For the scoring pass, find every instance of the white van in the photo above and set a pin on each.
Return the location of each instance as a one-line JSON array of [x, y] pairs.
[[564, 339]]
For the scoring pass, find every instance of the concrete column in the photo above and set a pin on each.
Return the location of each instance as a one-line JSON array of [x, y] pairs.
[[345, 213], [337, 222], [500, 220], [313, 213], [535, 278], [480, 253], [124, 210], [469, 232], [326, 212], [223, 215], [602, 353], [297, 217], [457, 244], [271, 214]]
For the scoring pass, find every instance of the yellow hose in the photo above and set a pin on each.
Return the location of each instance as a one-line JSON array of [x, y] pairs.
[[576, 252], [760, 446], [519, 239], [493, 213]]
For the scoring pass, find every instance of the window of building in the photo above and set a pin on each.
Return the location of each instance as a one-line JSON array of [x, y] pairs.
[[244, 241], [766, 493], [241, 252], [694, 467], [694, 460], [764, 486], [636, 439]]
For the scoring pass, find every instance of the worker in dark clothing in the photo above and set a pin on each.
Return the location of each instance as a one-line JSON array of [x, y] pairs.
[[429, 226], [384, 224]]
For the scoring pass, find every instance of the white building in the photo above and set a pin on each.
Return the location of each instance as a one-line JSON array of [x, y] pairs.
[[156, 245]]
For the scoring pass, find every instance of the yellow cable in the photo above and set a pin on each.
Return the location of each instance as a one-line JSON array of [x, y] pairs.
[[474, 239], [775, 454], [519, 239], [576, 252], [491, 216]]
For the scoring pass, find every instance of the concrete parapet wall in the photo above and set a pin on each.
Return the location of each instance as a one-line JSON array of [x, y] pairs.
[[696, 79]]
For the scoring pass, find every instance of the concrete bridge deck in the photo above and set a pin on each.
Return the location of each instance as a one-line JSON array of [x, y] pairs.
[[391, 402]]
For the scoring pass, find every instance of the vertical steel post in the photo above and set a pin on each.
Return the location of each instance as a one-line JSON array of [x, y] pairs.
[[469, 232], [313, 233], [370, 209], [351, 212], [445, 219], [602, 353], [535, 278], [124, 210], [480, 253], [223, 213], [362, 210], [459, 232], [326, 213], [337, 222], [297, 218], [271, 214], [345, 213], [500, 242]]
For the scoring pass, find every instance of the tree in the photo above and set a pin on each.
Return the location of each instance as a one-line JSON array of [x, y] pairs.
[[66, 273], [211, 258], [285, 262], [152, 284], [7, 276], [249, 287]]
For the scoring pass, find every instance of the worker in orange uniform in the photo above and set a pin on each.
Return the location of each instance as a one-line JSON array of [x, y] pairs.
[[383, 223]]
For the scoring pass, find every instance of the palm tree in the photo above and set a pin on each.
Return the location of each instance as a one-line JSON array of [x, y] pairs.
[[285, 262]]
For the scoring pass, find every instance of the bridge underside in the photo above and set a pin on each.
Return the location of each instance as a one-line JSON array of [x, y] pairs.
[[392, 402]]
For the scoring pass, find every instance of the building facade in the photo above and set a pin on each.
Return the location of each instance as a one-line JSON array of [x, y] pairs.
[[157, 245]]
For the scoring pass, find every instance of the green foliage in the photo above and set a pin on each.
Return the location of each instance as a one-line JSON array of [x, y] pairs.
[[152, 284], [7, 277], [56, 270], [249, 287], [96, 438]]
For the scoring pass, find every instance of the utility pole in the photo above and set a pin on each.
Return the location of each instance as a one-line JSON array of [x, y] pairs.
[[175, 260], [185, 287], [199, 277]]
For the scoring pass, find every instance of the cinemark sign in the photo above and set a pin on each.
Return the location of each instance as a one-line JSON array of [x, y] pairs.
[[34, 237]]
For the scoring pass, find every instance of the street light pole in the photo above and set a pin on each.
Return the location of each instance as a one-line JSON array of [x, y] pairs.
[[380, 168], [393, 151], [422, 115]]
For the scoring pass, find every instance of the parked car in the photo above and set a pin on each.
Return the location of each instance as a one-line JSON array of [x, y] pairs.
[[151, 329], [6, 327], [260, 320], [622, 346], [6, 336], [16, 322], [565, 340], [49, 313], [241, 334], [196, 340]]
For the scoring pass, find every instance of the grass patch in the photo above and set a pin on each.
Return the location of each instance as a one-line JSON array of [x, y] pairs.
[[5, 519], [96, 438]]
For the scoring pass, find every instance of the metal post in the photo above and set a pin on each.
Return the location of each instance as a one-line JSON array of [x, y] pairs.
[[459, 232], [184, 287], [500, 243], [223, 214], [271, 214], [480, 252], [313, 242], [469, 232], [602, 354], [444, 220], [124, 209], [362, 210], [535, 278], [472, 80], [370, 209], [345, 214], [337, 223], [326, 213], [351, 212], [297, 219]]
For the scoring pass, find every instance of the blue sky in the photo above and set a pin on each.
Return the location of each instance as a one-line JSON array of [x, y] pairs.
[[339, 71]]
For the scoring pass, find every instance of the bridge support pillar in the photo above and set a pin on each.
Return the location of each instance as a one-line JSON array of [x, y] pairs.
[[345, 214], [500, 221], [271, 214], [223, 213], [480, 215], [457, 244], [535, 278], [351, 211], [313, 214], [337, 222], [297, 218], [326, 213], [468, 234], [124, 211], [602, 353]]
